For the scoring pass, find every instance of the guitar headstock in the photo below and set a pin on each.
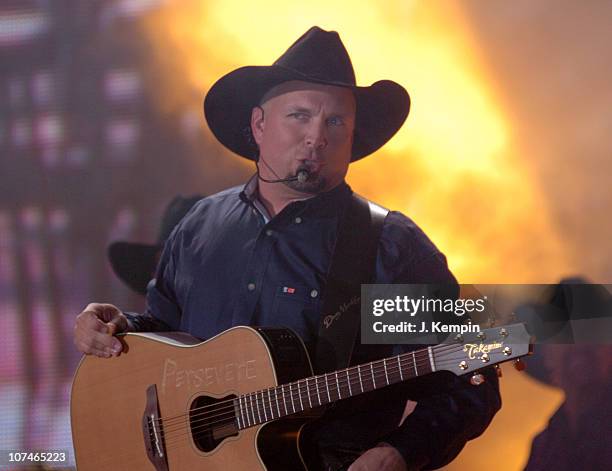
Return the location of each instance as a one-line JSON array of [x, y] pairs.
[[464, 353]]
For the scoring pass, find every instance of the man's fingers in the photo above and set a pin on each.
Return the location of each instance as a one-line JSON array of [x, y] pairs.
[[99, 344], [111, 327], [117, 325], [94, 336], [91, 346], [105, 312], [90, 320]]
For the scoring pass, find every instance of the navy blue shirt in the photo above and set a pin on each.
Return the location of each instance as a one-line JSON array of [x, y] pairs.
[[228, 263]]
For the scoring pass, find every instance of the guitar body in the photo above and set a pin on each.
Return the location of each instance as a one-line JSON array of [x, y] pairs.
[[116, 403], [237, 401]]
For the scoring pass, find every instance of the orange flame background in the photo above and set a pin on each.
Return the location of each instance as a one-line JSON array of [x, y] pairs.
[[479, 165]]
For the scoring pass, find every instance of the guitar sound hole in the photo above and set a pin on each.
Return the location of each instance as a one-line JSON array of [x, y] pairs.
[[212, 420]]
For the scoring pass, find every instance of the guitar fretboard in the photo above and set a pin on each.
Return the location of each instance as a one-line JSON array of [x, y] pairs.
[[270, 404]]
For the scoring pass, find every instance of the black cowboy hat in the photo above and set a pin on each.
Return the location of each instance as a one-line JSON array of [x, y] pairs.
[[319, 57], [135, 263], [569, 300]]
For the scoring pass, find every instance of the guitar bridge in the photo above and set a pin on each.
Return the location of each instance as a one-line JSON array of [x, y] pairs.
[[152, 431]]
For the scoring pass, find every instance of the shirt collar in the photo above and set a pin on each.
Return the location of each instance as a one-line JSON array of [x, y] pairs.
[[249, 194]]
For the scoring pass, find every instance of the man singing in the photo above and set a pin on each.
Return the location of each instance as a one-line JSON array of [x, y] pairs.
[[260, 254]]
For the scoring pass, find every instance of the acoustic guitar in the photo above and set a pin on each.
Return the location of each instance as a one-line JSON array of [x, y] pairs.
[[238, 401]]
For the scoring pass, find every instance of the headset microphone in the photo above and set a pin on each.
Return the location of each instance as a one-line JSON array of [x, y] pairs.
[[302, 175]]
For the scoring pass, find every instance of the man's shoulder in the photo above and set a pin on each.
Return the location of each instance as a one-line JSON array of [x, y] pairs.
[[397, 226], [231, 194], [210, 209], [408, 255], [398, 221], [217, 201], [401, 232]]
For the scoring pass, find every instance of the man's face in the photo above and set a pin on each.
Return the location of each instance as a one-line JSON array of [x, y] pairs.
[[308, 126]]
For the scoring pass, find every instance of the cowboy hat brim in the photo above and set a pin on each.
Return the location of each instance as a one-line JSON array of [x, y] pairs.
[[134, 263], [382, 108]]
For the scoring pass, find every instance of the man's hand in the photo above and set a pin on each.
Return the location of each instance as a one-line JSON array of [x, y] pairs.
[[94, 329], [383, 457]]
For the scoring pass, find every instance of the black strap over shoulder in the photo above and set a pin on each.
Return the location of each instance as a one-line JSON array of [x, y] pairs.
[[353, 263]]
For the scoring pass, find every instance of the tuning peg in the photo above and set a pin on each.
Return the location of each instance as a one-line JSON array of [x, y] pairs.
[[477, 379], [498, 370], [519, 365]]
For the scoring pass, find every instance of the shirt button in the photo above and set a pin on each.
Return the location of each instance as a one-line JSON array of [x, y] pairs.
[[298, 220], [254, 211], [269, 232], [314, 293], [251, 286]]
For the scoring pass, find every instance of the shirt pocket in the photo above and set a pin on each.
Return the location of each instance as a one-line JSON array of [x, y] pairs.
[[297, 306]]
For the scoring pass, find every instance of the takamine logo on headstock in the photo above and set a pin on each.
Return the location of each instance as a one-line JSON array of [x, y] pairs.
[[475, 351], [466, 353]]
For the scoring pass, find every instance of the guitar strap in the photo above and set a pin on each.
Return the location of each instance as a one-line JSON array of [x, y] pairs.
[[353, 263]]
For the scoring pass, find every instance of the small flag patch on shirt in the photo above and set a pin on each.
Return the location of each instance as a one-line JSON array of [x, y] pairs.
[[287, 289]]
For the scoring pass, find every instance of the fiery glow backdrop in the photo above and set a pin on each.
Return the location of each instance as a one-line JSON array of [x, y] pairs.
[[504, 160]]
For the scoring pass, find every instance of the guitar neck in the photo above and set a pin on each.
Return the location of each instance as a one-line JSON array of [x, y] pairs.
[[270, 404]]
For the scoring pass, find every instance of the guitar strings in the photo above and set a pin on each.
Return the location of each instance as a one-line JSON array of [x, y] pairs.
[[203, 428], [422, 355], [297, 392], [294, 393], [421, 360]]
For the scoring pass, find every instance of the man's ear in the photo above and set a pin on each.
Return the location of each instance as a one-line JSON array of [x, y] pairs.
[[257, 123]]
